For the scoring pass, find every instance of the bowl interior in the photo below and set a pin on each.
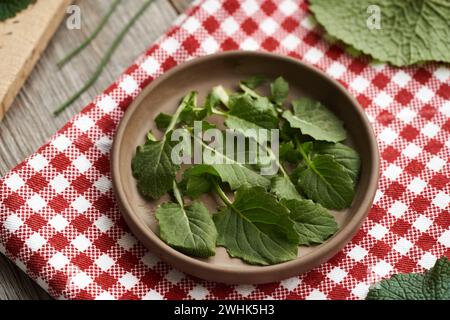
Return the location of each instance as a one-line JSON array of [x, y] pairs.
[[165, 94]]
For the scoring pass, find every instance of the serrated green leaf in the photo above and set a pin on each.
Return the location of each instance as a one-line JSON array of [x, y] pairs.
[[188, 229], [152, 165], [409, 31], [153, 168], [315, 120], [235, 174], [283, 188], [327, 182], [257, 228], [313, 223], [344, 155], [280, 90], [434, 284], [228, 169], [9, 8], [249, 113]]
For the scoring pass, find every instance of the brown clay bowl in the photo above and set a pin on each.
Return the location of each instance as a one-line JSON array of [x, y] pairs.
[[201, 74]]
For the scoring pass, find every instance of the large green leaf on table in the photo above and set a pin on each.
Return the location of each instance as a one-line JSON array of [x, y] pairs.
[[434, 284], [235, 174], [153, 168], [409, 31], [256, 228], [315, 120], [9, 8], [283, 188], [325, 181], [250, 113], [313, 223], [188, 229], [344, 155]]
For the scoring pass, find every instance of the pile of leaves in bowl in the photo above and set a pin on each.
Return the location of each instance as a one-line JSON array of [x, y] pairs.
[[261, 219]]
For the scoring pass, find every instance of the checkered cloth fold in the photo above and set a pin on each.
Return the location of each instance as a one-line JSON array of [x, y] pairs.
[[59, 221]]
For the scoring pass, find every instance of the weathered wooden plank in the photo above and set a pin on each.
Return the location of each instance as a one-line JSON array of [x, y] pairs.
[[30, 123]]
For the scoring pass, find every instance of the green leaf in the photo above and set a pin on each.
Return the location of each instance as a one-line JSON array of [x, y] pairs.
[[434, 284], [254, 82], [283, 188], [249, 113], [257, 229], [315, 120], [189, 114], [188, 229], [327, 182], [287, 133], [280, 90], [289, 152], [192, 112], [152, 164], [9, 8], [153, 168], [163, 120], [235, 174], [306, 147], [409, 31], [344, 155], [313, 223], [197, 185]]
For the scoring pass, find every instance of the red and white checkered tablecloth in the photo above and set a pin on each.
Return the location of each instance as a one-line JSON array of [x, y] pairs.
[[59, 221]]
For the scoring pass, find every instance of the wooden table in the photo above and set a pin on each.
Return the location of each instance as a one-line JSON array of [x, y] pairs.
[[29, 123]]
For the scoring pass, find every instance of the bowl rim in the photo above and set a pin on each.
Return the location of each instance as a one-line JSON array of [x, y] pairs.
[[234, 274]]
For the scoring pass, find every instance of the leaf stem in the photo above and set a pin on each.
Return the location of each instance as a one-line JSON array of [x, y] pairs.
[[183, 104], [222, 194], [177, 193], [93, 35], [283, 171], [105, 59], [218, 112], [303, 153]]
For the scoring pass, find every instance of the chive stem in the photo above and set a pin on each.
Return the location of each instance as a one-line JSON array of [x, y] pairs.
[[105, 59], [93, 35]]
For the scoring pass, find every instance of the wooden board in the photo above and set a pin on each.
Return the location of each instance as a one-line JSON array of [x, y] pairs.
[[22, 40]]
